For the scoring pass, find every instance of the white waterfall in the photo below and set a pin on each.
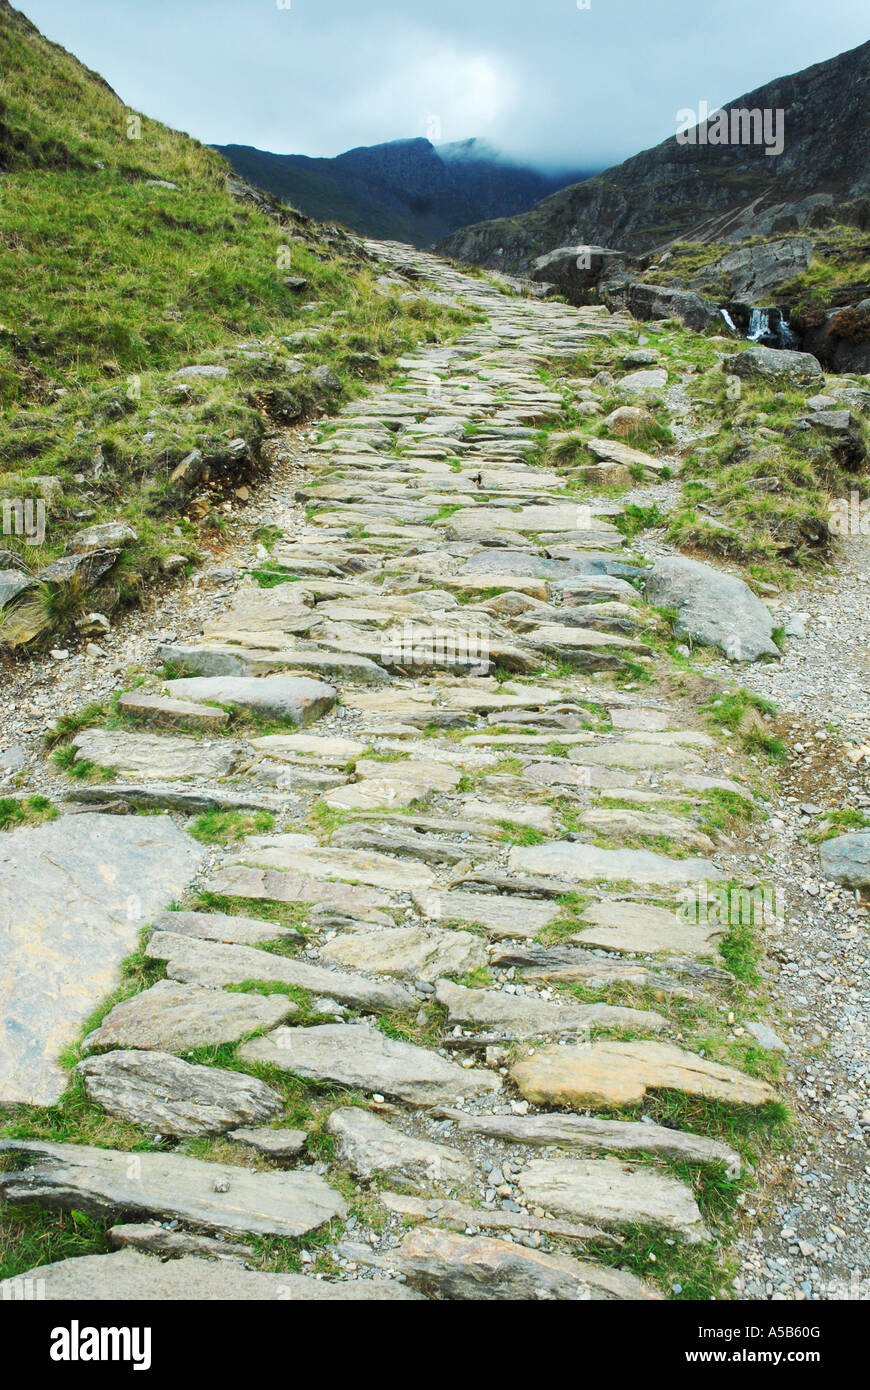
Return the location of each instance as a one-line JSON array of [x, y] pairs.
[[729, 320], [759, 325]]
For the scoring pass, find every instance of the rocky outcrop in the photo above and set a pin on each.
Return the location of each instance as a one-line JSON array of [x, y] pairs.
[[662, 302], [576, 271], [695, 192], [842, 341]]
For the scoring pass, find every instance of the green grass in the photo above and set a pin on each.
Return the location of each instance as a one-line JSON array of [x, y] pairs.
[[108, 285], [227, 827], [31, 810]]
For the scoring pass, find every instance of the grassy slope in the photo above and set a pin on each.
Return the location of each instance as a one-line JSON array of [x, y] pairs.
[[108, 284]]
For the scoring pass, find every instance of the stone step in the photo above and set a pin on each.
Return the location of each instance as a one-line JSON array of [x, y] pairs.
[[173, 1017], [196, 962], [128, 1276], [608, 1075], [294, 699], [206, 1196], [165, 1095], [170, 713], [361, 1057], [524, 1016], [447, 1265], [614, 1194], [584, 1132]]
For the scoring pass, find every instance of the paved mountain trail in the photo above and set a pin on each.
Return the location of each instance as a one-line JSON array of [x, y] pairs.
[[419, 1011]]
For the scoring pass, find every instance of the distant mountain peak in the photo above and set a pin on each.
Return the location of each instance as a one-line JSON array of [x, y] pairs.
[[403, 190]]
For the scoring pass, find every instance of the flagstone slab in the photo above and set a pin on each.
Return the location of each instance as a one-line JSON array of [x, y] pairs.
[[632, 754], [176, 714], [349, 865], [207, 1196], [71, 909], [608, 1075], [452, 1266], [165, 1095], [297, 699], [216, 659], [240, 881], [579, 863], [175, 1017], [208, 963], [501, 914], [587, 1132], [362, 1057], [414, 953], [367, 1145], [220, 926], [642, 929], [129, 1276], [525, 1016], [614, 1194], [159, 756]]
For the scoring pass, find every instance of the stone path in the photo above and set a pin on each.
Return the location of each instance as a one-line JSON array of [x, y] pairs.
[[484, 823]]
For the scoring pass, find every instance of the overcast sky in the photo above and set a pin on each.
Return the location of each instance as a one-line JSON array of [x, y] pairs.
[[542, 79]]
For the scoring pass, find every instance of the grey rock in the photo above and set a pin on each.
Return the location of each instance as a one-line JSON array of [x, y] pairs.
[[662, 302], [643, 383], [447, 1265], [157, 755], [71, 910], [220, 926], [359, 1055], [109, 535], [294, 698], [195, 370], [368, 1145], [412, 952], [128, 1276], [846, 859], [213, 964], [205, 1196], [584, 1132], [172, 1017], [714, 608], [765, 1035], [524, 1016], [581, 863], [164, 1095], [173, 1244], [326, 379], [610, 1193], [774, 364], [273, 1143], [13, 583]]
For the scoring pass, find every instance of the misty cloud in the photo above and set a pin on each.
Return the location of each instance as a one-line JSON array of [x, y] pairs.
[[545, 80]]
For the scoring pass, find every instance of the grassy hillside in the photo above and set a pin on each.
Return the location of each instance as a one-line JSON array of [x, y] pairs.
[[110, 281]]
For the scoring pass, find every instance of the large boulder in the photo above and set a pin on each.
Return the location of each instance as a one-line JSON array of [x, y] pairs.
[[713, 608], [776, 365], [575, 271], [662, 302], [846, 859], [842, 341]]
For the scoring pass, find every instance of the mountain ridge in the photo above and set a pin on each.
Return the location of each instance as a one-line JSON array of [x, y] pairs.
[[711, 193], [402, 190]]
